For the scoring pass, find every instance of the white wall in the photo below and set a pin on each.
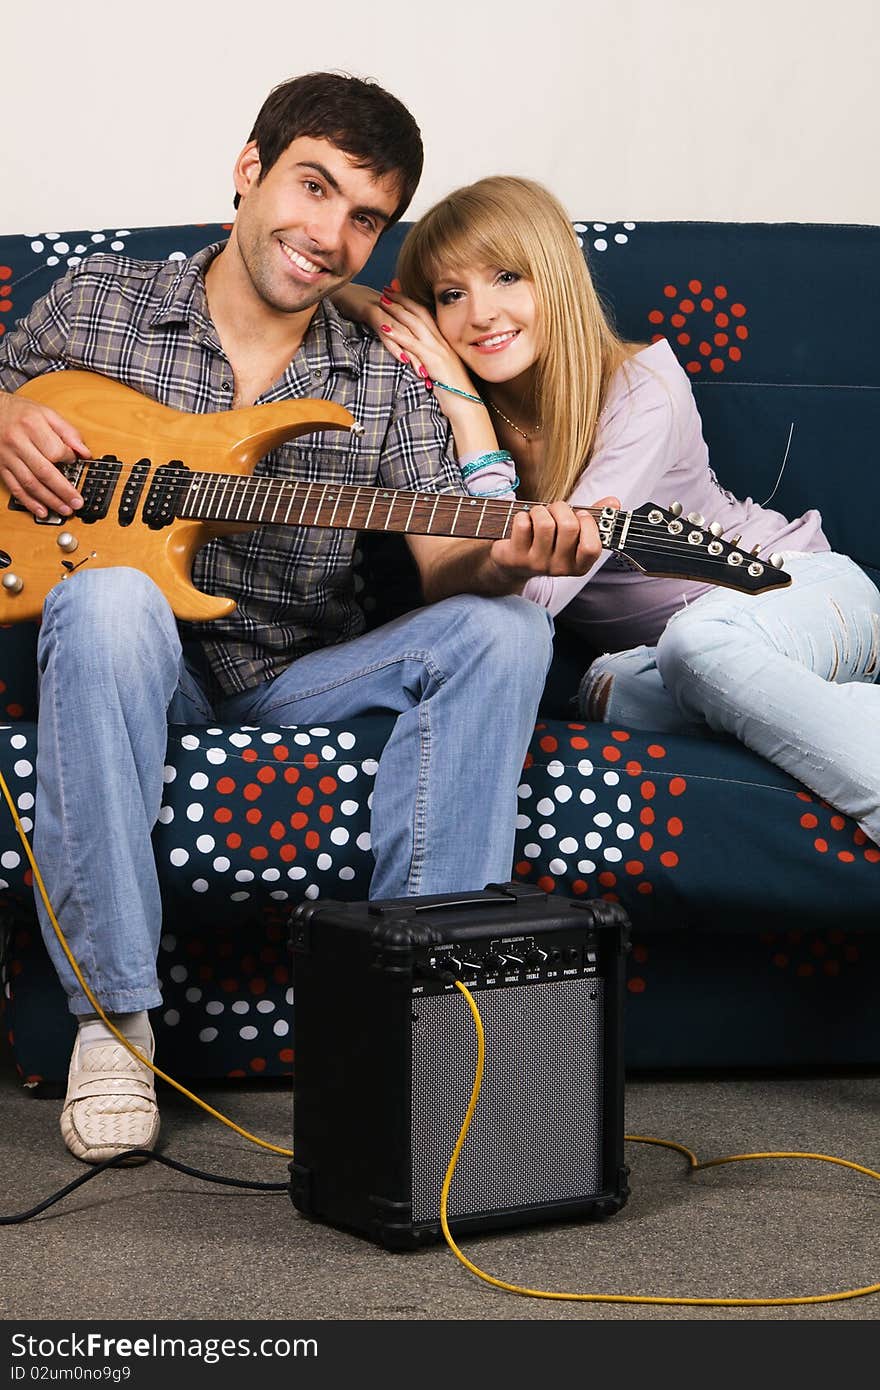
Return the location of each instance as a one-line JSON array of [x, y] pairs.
[[124, 114]]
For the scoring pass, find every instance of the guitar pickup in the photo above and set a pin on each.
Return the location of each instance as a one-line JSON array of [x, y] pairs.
[[131, 493], [98, 487]]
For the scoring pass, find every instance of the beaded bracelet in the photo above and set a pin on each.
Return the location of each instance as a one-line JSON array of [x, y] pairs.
[[454, 391], [502, 491], [484, 460]]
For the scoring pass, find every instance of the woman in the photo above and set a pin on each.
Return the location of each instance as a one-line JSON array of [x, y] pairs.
[[499, 315]]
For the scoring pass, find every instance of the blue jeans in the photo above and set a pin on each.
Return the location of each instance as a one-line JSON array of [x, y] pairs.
[[463, 676], [790, 673]]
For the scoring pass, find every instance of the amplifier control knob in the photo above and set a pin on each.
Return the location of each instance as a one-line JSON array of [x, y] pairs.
[[493, 963], [535, 956]]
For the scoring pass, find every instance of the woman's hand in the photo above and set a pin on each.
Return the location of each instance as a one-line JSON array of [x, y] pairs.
[[411, 335]]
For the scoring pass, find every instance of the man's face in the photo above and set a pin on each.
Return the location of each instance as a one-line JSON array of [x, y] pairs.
[[310, 224]]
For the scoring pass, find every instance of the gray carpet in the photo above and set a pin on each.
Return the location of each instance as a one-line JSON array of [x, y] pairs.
[[148, 1243]]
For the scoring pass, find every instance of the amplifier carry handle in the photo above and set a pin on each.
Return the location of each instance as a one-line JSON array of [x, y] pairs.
[[506, 890]]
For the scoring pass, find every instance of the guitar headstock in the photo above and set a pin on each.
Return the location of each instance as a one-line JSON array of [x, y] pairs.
[[661, 541]]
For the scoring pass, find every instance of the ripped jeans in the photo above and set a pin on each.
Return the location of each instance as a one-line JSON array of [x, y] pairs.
[[789, 673]]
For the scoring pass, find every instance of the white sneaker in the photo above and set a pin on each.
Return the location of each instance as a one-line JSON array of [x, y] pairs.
[[111, 1102]]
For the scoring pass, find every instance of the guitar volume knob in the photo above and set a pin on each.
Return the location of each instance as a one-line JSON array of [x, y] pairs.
[[67, 542], [12, 583]]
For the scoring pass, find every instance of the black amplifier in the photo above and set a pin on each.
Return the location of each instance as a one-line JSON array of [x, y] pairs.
[[385, 1053]]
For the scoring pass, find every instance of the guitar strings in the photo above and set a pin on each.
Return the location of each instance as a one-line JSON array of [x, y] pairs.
[[651, 539]]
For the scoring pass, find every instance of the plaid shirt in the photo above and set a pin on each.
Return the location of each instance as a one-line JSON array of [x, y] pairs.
[[146, 324]]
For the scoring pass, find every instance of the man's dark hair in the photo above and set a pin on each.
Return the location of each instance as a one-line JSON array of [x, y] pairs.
[[359, 117]]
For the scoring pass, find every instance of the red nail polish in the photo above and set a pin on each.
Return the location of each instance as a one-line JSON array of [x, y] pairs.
[[386, 327], [404, 358], [383, 299], [395, 285], [429, 386], [423, 373]]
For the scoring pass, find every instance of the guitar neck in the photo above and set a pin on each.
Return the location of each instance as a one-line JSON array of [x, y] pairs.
[[270, 501]]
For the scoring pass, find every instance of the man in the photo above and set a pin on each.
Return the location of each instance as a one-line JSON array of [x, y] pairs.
[[331, 163]]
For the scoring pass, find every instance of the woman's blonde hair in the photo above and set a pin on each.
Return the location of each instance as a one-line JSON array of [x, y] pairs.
[[518, 225]]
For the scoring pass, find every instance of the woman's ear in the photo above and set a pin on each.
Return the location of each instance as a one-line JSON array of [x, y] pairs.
[[247, 168]]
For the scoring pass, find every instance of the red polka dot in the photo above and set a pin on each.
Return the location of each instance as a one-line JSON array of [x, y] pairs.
[[845, 856], [249, 755], [655, 316], [859, 836], [646, 841], [222, 815], [693, 368], [837, 822], [291, 774], [257, 1064], [677, 786], [695, 286], [5, 306], [611, 754], [313, 839], [620, 735], [648, 790], [705, 349], [803, 796], [546, 883], [644, 887], [634, 867], [678, 320], [738, 310], [734, 354], [252, 791], [657, 337], [257, 985], [326, 814], [523, 868], [633, 768], [720, 339], [670, 291], [225, 785], [267, 774], [233, 840], [851, 954], [684, 339], [549, 744], [809, 821], [580, 743], [669, 859], [872, 855], [5, 272], [607, 879], [674, 826], [821, 846], [579, 887], [328, 785], [818, 948], [287, 853], [311, 760], [831, 967], [299, 820], [280, 752], [722, 320], [286, 1055], [780, 960], [253, 816], [656, 750], [305, 796], [707, 305], [259, 852], [716, 364], [720, 291], [742, 331], [686, 306], [646, 815], [636, 985]]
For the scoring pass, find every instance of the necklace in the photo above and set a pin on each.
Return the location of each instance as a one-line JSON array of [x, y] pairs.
[[527, 437]]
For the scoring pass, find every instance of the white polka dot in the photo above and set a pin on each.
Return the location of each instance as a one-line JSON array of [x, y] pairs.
[[80, 248], [62, 247], [198, 781], [612, 854], [51, 260], [568, 845], [346, 773], [205, 843], [166, 815], [239, 897], [18, 741], [117, 246], [207, 1035], [270, 737], [178, 974], [524, 791], [175, 255], [200, 885], [281, 1028], [602, 818], [214, 1006], [221, 864], [523, 822], [624, 831], [587, 796], [558, 866], [168, 942], [624, 802], [586, 866], [545, 806], [265, 1006], [240, 740], [324, 861], [346, 740], [585, 767], [249, 1032], [328, 752], [370, 767], [193, 995], [25, 801], [195, 811], [244, 875], [593, 840], [600, 244], [216, 755], [621, 238], [270, 875], [98, 236], [279, 894], [179, 857], [600, 226], [555, 768], [241, 1006], [27, 824], [349, 808], [37, 246], [363, 841], [302, 739], [562, 793], [339, 836], [171, 1017], [10, 860], [630, 226], [296, 873], [189, 741], [346, 872], [313, 891], [168, 774], [532, 851], [581, 227], [611, 779], [23, 768]]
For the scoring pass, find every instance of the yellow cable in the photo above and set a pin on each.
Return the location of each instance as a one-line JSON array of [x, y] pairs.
[[135, 1052], [666, 1143], [694, 1163]]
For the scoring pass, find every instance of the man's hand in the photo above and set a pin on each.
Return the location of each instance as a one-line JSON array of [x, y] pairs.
[[552, 539], [33, 439]]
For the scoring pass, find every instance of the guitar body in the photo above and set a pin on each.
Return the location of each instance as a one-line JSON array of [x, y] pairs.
[[116, 421]]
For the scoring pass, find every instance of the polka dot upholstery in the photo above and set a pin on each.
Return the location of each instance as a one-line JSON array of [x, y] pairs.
[[754, 906]]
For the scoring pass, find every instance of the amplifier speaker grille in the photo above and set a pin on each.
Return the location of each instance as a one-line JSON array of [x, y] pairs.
[[536, 1134]]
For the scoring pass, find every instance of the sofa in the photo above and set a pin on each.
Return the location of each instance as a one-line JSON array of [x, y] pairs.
[[755, 908]]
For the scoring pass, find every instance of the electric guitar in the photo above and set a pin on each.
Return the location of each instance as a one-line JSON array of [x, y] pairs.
[[161, 483]]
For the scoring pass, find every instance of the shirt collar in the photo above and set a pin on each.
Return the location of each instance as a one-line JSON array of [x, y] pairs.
[[331, 341]]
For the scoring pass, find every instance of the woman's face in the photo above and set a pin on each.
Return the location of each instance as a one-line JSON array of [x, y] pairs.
[[489, 317]]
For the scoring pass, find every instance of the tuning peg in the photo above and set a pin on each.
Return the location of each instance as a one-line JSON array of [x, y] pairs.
[[736, 540], [755, 549], [776, 561], [675, 508], [696, 519], [716, 528]]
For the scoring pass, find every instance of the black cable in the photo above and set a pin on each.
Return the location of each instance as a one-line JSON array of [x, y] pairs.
[[146, 1154]]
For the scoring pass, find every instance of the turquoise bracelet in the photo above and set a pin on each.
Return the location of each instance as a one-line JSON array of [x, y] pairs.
[[485, 461], [499, 491], [454, 391]]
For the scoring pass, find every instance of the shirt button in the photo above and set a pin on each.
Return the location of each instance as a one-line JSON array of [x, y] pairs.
[[317, 376], [226, 385]]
